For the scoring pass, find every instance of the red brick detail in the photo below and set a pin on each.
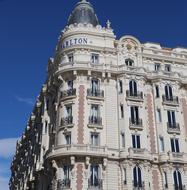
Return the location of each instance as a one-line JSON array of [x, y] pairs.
[[155, 177], [151, 123], [184, 107], [79, 177], [80, 132]]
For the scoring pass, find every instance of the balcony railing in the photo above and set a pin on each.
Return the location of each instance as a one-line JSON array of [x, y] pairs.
[[134, 96], [95, 93], [138, 185], [170, 101], [97, 185], [173, 127], [68, 93], [182, 187], [64, 184], [95, 120], [67, 121], [135, 123]]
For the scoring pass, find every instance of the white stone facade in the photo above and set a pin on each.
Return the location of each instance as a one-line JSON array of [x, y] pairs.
[[92, 128]]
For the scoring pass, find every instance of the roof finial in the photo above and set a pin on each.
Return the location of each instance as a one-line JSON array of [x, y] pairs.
[[108, 23]]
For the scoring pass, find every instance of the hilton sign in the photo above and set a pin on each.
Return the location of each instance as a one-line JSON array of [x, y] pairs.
[[75, 41]]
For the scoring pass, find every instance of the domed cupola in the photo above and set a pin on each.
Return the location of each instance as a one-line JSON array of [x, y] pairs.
[[83, 13]]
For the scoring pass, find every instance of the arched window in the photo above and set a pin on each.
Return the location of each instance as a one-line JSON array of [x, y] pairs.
[[137, 177], [177, 180], [133, 88], [129, 62], [168, 92]]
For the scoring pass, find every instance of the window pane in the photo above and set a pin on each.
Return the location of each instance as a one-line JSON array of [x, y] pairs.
[[133, 141], [172, 145], [169, 118], [157, 92], [177, 145], [138, 141]]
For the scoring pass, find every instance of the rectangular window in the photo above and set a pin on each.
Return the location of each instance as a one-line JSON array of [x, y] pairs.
[[66, 172], [175, 145], [95, 139], [71, 58], [95, 110], [134, 111], [68, 138], [95, 115], [70, 85], [94, 175], [136, 141], [168, 68], [161, 139], [120, 87], [157, 66], [95, 58], [157, 94], [123, 140], [158, 116], [95, 86], [68, 111], [171, 119], [122, 111]]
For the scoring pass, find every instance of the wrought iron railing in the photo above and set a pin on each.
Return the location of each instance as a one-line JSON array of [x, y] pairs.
[[95, 93], [64, 184], [135, 122], [95, 185], [134, 95], [67, 93], [170, 100], [173, 127], [95, 120], [67, 121], [138, 185]]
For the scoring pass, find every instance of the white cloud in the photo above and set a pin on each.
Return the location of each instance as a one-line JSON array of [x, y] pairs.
[[7, 147], [28, 101]]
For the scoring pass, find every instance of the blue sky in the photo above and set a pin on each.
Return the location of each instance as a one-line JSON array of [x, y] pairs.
[[28, 34]]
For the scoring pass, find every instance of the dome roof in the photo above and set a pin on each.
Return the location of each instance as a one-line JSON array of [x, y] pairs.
[[83, 13]]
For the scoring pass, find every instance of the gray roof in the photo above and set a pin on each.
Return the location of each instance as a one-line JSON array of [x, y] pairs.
[[83, 13]]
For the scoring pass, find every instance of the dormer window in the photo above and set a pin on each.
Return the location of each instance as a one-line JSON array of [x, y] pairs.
[[168, 68], [71, 58], [95, 58], [129, 62]]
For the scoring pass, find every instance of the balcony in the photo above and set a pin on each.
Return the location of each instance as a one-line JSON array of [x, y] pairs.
[[138, 186], [95, 122], [173, 101], [97, 94], [137, 153], [177, 157], [64, 184], [68, 94], [176, 187], [77, 150], [97, 185], [134, 96], [135, 124], [173, 128], [67, 121]]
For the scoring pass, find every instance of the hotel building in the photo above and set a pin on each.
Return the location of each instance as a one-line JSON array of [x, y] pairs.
[[112, 114]]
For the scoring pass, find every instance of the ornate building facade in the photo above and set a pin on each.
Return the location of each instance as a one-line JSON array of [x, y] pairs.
[[112, 114]]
